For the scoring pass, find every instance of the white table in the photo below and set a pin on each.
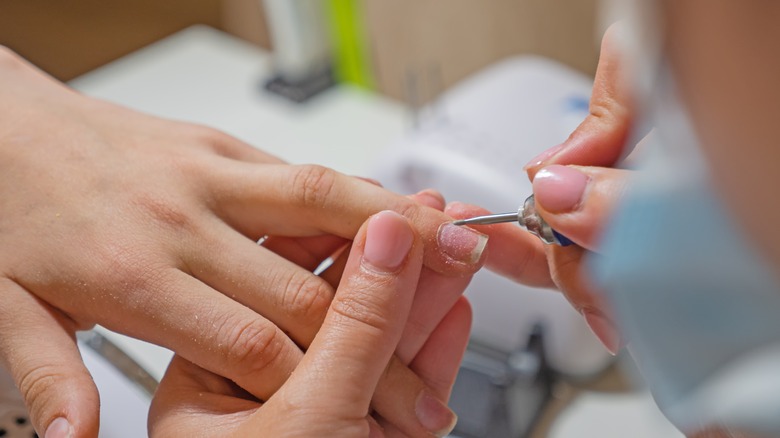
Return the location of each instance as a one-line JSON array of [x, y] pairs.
[[204, 76]]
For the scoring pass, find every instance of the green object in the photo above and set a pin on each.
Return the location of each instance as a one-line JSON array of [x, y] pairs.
[[351, 57]]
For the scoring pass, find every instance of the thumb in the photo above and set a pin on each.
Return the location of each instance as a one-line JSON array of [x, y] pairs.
[[45, 364], [600, 139], [578, 201], [339, 373]]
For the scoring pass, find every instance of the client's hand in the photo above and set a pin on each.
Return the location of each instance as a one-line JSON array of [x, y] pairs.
[[148, 227], [329, 393]]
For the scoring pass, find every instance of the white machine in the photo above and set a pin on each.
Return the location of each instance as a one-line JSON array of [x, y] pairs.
[[471, 145]]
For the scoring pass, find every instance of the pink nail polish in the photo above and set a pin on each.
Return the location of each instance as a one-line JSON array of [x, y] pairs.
[[461, 244], [388, 240], [604, 330], [544, 156], [559, 189]]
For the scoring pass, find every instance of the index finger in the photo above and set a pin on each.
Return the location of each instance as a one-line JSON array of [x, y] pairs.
[[311, 200]]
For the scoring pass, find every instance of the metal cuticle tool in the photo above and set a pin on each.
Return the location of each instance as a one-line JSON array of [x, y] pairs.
[[527, 217]]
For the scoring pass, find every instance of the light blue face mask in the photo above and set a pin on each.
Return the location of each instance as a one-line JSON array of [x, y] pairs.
[[699, 306]]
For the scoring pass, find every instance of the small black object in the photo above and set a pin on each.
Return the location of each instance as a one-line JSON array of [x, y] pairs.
[[302, 91]]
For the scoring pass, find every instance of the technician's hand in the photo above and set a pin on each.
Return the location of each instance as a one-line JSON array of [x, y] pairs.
[[576, 189], [148, 227], [329, 394]]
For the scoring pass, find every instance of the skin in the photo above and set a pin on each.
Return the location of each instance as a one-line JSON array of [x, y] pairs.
[[148, 227], [329, 394]]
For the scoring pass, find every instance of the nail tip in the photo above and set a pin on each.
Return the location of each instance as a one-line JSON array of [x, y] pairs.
[[479, 249]]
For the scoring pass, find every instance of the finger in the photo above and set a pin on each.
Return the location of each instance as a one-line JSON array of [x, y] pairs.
[[39, 350], [578, 201], [292, 298], [306, 252], [512, 251], [568, 269], [371, 306], [208, 329], [191, 401], [428, 197], [364, 324], [437, 365], [601, 138], [439, 360], [313, 200], [436, 295]]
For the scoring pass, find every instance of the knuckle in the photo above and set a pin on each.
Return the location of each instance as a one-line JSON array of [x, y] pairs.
[[312, 185], [307, 297], [37, 386], [253, 347], [168, 214], [363, 308], [208, 136]]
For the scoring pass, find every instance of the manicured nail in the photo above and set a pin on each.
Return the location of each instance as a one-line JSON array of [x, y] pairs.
[[461, 244], [59, 428], [603, 329], [434, 415], [543, 157], [559, 189], [388, 240]]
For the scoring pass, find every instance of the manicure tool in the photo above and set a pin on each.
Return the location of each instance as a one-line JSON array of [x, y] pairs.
[[527, 217]]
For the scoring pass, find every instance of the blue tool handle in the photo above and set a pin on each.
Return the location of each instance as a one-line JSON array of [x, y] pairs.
[[561, 240]]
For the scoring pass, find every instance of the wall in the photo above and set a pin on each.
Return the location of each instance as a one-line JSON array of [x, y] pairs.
[[446, 40], [442, 41]]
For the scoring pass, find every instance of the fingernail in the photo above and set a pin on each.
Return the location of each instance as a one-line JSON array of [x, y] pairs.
[[434, 415], [59, 428], [388, 240], [461, 244], [544, 156], [604, 330], [431, 198], [559, 189]]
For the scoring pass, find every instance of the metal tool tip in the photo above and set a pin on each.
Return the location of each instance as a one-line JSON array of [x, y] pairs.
[[459, 222]]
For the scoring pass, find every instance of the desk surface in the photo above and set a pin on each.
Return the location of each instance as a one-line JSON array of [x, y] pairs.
[[203, 76]]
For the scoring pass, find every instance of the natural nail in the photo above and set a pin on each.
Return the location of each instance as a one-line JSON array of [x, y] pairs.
[[461, 244], [544, 156], [388, 240], [603, 329], [559, 189], [431, 198], [434, 415], [59, 428]]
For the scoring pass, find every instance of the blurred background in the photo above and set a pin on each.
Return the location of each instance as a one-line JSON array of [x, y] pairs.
[[454, 38]]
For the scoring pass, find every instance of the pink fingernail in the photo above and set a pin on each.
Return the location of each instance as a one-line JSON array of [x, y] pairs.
[[559, 189], [544, 156], [59, 428], [604, 330], [388, 240], [461, 244], [434, 415]]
